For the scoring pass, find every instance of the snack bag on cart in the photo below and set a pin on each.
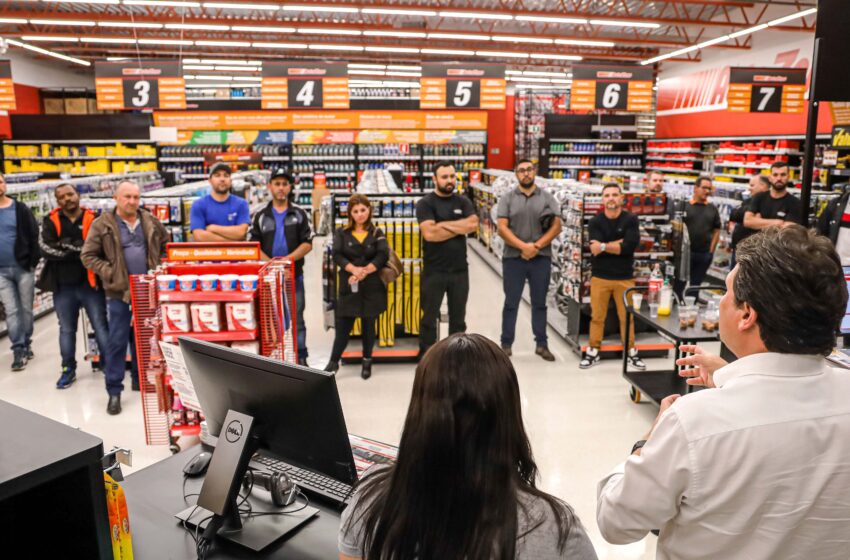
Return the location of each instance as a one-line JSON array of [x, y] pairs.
[[119, 519]]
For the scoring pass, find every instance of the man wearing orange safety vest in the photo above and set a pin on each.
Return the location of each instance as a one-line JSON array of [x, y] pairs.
[[63, 232]]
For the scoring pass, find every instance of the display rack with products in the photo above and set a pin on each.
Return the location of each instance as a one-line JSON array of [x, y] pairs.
[[568, 158], [682, 160], [530, 110], [79, 157]]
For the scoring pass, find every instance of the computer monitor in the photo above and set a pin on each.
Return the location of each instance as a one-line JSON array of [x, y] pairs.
[[294, 412], [845, 323]]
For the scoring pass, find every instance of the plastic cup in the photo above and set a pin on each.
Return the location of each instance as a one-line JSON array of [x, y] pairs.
[[228, 282], [690, 301], [166, 282], [653, 310], [248, 282], [637, 301], [209, 282], [188, 282]]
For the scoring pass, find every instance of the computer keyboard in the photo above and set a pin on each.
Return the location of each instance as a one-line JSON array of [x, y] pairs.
[[308, 480]]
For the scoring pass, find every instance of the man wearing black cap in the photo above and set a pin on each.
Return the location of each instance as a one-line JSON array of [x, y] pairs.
[[283, 230], [219, 216]]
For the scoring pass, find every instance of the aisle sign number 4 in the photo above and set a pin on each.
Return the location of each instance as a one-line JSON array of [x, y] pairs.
[[305, 93]]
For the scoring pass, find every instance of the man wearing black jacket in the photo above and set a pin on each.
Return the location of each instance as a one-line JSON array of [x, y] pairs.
[[63, 233], [614, 236], [283, 230], [18, 260]]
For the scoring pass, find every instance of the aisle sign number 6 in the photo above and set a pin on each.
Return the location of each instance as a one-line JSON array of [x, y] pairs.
[[613, 95]]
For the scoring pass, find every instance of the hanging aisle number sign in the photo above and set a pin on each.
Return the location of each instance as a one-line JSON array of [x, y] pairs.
[[7, 88], [139, 84], [462, 86], [611, 88], [767, 90], [304, 85]]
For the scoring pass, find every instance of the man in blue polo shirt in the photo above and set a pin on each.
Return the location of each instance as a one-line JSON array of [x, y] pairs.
[[219, 216]]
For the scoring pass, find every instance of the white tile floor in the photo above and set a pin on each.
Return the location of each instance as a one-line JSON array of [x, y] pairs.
[[581, 423]]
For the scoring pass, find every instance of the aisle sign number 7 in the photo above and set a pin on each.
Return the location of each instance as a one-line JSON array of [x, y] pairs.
[[766, 99]]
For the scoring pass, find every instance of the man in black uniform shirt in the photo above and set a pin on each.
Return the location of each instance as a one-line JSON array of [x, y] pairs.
[[758, 184], [703, 221], [777, 206], [614, 236], [445, 218]]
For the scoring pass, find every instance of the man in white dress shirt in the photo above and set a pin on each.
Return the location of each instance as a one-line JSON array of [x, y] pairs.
[[757, 466]]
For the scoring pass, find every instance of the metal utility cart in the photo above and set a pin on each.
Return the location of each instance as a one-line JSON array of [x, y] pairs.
[[658, 384]]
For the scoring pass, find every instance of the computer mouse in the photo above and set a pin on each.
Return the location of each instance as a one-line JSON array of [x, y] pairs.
[[198, 464]]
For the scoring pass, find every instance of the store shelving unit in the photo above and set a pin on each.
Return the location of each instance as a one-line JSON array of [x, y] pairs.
[[567, 158], [78, 158], [682, 160]]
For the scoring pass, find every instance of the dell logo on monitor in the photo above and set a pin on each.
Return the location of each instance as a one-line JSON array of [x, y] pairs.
[[233, 432]]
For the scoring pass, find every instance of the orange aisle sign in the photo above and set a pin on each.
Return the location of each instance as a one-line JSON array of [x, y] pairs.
[[457, 85], [767, 90], [304, 85], [7, 88], [611, 88], [139, 84], [198, 252]]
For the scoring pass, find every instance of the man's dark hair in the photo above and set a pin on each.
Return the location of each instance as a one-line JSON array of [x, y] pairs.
[[439, 164], [520, 162], [62, 186], [702, 178], [612, 186], [793, 279], [778, 164], [763, 179]]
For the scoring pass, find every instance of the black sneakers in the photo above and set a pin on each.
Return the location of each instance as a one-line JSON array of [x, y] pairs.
[[67, 378], [114, 405], [19, 360], [590, 359], [635, 361]]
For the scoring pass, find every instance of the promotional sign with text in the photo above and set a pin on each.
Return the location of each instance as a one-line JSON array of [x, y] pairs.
[[462, 86], [611, 88], [767, 90], [139, 84], [304, 85], [7, 88]]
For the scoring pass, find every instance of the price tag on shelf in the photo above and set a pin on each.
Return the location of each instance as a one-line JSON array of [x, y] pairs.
[[304, 85], [611, 88], [7, 88], [180, 379], [767, 90], [462, 86], [145, 84]]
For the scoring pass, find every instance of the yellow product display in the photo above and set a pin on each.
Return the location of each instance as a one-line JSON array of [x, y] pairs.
[[414, 300], [407, 278], [398, 302], [119, 519], [415, 242]]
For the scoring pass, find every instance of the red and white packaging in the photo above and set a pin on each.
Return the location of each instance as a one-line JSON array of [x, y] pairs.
[[240, 316], [175, 318], [206, 317], [251, 346]]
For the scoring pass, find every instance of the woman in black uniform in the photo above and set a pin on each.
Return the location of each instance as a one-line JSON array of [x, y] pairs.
[[360, 250]]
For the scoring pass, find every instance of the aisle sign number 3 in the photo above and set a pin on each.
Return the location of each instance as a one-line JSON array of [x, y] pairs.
[[141, 94]]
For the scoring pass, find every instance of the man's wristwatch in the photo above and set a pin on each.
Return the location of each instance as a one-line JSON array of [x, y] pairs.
[[602, 247], [637, 446]]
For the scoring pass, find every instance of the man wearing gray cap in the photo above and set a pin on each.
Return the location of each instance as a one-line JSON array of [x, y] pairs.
[[219, 216]]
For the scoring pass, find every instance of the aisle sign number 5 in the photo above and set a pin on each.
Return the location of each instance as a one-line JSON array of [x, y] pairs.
[[141, 94], [463, 93], [612, 95], [305, 93]]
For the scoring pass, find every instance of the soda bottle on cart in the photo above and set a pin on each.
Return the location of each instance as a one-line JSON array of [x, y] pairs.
[[656, 281]]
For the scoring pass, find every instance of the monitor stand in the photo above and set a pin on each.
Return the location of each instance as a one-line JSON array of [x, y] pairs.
[[217, 511]]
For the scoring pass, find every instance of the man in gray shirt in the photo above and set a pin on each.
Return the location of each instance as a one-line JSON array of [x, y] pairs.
[[529, 218]]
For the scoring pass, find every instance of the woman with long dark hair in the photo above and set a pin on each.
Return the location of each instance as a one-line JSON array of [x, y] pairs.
[[360, 250], [463, 487]]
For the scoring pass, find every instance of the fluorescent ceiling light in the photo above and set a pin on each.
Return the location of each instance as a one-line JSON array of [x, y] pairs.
[[685, 50], [584, 43], [168, 3], [197, 26], [503, 54], [539, 86], [405, 74], [392, 50], [406, 34], [621, 23], [248, 78], [223, 78], [550, 74], [48, 53], [112, 40], [231, 62], [747, 31], [279, 45], [562, 81], [569, 75], [71, 22], [714, 41], [528, 79], [301, 8], [128, 24], [82, 1], [353, 48], [164, 42], [353, 72], [261, 29], [528, 39], [448, 52], [398, 12], [548, 19], [13, 20], [405, 68], [222, 44], [792, 17], [117, 58], [402, 84], [458, 37], [233, 6], [207, 86], [191, 61], [367, 66], [49, 38], [237, 69], [476, 15], [547, 56], [509, 72], [320, 31], [198, 67]]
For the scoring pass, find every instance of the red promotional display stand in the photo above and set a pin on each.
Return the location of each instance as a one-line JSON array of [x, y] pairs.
[[273, 311]]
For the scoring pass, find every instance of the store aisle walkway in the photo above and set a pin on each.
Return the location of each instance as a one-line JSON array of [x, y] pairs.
[[581, 423]]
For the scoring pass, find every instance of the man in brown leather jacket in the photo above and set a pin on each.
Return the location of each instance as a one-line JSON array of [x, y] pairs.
[[128, 240]]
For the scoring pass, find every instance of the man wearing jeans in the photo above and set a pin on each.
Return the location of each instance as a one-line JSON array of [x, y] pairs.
[[19, 254], [528, 220], [129, 240], [63, 233], [283, 230], [445, 219]]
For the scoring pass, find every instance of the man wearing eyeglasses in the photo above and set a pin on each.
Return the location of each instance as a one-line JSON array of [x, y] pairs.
[[703, 221], [529, 218]]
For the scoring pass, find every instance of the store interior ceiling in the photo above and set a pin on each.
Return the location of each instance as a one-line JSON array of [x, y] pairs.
[[227, 41]]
